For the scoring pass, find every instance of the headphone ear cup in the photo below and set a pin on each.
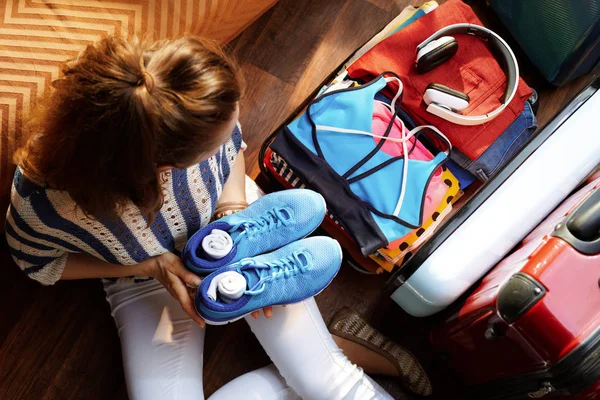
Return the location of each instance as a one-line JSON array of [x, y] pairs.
[[446, 97], [435, 53]]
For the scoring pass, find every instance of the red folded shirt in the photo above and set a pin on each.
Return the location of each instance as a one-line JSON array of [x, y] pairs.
[[473, 70]]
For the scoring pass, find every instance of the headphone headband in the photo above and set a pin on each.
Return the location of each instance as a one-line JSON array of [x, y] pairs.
[[466, 29], [510, 65]]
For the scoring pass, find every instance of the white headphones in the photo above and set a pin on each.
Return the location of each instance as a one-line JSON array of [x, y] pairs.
[[446, 102]]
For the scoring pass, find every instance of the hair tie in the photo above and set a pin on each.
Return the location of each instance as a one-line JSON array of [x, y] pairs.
[[147, 81]]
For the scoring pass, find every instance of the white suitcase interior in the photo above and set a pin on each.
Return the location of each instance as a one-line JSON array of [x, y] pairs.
[[489, 225]]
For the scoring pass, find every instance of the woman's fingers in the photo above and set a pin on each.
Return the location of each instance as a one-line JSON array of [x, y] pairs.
[[186, 275], [181, 293], [191, 292], [191, 279], [268, 311]]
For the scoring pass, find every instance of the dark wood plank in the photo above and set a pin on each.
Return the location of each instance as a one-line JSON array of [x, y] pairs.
[[388, 5], [266, 96], [285, 43], [62, 344]]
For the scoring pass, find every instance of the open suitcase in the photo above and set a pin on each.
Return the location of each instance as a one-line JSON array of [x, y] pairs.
[[532, 328], [504, 210], [490, 221]]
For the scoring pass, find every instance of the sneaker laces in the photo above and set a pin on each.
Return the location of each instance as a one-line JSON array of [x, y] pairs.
[[272, 219], [273, 270]]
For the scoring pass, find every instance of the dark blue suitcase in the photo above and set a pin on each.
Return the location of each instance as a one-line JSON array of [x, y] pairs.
[[561, 37]]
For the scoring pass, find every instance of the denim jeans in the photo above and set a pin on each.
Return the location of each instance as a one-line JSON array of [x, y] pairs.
[[502, 149]]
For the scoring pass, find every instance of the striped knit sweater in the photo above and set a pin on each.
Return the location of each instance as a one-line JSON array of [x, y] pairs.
[[44, 225]]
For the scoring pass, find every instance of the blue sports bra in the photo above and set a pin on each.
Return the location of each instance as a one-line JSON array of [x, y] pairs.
[[337, 128]]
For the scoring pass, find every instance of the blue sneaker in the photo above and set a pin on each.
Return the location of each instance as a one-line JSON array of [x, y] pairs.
[[267, 224], [289, 275]]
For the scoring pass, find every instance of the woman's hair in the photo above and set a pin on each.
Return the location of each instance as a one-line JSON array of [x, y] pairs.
[[122, 109]]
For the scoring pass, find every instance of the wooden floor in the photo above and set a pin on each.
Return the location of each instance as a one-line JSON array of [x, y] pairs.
[[60, 342]]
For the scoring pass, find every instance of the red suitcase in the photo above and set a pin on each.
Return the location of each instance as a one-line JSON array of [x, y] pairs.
[[532, 328]]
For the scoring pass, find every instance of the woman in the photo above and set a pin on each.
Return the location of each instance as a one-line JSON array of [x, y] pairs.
[[133, 152]]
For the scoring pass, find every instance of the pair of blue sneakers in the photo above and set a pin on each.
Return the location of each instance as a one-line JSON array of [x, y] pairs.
[[241, 278]]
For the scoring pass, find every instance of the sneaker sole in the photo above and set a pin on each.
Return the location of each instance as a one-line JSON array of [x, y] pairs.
[[209, 322]]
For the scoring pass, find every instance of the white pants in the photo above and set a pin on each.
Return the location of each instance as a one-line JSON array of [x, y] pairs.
[[163, 350]]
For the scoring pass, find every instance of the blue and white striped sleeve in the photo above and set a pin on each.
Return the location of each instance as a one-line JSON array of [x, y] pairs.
[[237, 138], [38, 259]]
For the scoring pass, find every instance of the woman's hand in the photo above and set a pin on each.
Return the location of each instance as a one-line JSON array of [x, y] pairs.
[[180, 282]]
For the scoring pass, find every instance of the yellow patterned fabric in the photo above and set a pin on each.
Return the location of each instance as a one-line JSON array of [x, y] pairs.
[[37, 36], [389, 258]]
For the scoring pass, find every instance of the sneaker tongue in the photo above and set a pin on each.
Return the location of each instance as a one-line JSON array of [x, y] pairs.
[[235, 234], [302, 257]]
